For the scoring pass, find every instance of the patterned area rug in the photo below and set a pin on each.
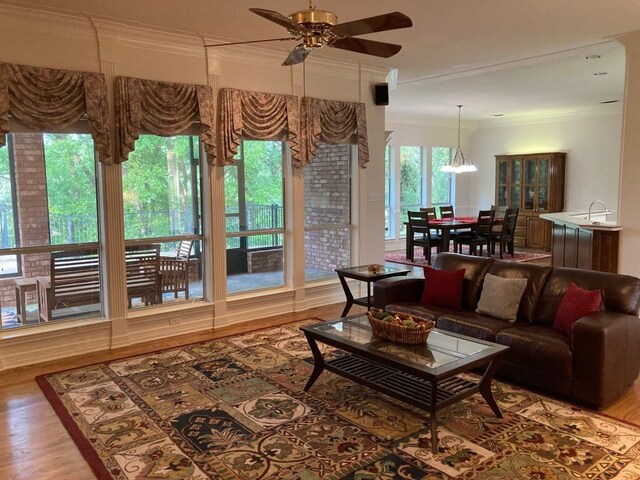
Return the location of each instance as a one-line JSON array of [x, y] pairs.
[[234, 409], [398, 256]]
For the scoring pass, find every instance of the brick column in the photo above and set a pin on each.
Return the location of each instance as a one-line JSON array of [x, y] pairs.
[[326, 196], [33, 217]]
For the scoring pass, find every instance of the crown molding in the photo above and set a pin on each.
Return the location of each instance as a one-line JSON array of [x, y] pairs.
[[423, 121], [24, 19], [536, 119], [27, 17]]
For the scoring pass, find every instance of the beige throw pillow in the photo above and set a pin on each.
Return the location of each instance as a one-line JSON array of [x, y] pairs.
[[501, 296]]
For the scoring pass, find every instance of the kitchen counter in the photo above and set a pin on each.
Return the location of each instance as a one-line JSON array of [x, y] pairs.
[[579, 218], [577, 242]]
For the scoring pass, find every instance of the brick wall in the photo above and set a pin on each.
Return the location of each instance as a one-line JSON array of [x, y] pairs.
[[33, 220], [327, 199], [271, 260]]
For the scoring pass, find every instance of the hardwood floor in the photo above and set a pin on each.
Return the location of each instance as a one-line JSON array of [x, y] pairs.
[[35, 445]]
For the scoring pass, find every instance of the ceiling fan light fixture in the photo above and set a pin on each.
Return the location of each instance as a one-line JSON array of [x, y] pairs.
[[459, 164]]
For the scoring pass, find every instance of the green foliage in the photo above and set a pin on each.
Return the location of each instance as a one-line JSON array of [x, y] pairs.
[[411, 174], [440, 181]]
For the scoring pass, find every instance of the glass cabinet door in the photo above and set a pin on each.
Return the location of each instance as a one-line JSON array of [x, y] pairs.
[[530, 187], [543, 184], [501, 184], [516, 183]]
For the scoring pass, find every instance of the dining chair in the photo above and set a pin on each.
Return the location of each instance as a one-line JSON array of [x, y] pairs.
[[479, 236], [446, 211], [422, 235], [506, 235]]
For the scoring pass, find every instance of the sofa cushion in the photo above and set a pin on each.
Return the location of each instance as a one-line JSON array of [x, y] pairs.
[[575, 304], [429, 312], [442, 287], [620, 293], [500, 297], [538, 347], [536, 276], [471, 324], [475, 269]]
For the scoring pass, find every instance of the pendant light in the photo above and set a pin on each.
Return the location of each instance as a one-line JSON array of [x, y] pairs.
[[459, 163]]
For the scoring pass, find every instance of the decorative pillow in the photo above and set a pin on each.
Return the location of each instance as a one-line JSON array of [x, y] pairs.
[[575, 304], [501, 296], [442, 287]]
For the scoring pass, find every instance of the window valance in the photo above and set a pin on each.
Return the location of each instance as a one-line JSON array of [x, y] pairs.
[[46, 99], [161, 108], [334, 122], [257, 116]]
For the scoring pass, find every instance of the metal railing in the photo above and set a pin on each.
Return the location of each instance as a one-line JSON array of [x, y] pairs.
[[258, 217]]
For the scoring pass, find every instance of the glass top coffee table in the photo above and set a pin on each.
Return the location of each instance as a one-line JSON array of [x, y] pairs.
[[424, 375]]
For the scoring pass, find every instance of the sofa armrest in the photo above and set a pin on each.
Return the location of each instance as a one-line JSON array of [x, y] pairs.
[[605, 359], [397, 290]]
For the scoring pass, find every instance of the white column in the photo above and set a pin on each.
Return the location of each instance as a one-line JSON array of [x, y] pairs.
[[112, 233], [629, 260]]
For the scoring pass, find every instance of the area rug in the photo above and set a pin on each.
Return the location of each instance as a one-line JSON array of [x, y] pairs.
[[398, 256], [234, 409]]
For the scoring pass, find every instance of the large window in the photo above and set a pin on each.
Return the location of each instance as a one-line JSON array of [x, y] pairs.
[[388, 199], [412, 173], [327, 212], [162, 220], [254, 208], [441, 182], [48, 216]]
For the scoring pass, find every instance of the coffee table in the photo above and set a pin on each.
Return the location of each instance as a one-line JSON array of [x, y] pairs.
[[363, 274], [424, 375]]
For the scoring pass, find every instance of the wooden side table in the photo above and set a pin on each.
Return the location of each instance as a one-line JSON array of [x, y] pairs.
[[364, 273], [23, 285]]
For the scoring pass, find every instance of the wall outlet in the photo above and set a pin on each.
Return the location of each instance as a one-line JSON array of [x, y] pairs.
[[175, 321]]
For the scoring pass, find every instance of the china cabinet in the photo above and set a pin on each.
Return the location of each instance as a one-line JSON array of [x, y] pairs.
[[534, 183]]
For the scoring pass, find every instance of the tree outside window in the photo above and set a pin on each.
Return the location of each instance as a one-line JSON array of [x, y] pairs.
[[412, 173], [440, 181]]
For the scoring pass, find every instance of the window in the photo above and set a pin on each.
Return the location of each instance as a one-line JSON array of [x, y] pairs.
[[327, 212], [10, 265], [441, 182], [161, 185], [254, 209], [412, 174], [388, 201], [48, 208]]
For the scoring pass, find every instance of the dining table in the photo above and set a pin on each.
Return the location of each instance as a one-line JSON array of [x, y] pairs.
[[445, 226]]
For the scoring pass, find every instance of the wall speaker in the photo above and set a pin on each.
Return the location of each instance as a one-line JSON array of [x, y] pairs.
[[381, 93]]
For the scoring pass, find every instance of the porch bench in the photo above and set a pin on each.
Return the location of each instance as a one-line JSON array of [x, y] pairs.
[[75, 279]]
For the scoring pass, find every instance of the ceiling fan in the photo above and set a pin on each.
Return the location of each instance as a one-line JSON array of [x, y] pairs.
[[320, 28]]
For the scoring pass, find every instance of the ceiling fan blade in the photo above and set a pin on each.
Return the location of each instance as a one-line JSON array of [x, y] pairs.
[[296, 56], [370, 47], [380, 23], [285, 39], [279, 19]]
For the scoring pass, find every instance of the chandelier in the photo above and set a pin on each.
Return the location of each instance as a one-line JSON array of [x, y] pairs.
[[459, 163]]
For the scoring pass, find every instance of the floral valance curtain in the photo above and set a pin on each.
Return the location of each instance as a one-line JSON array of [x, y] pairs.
[[334, 122], [51, 99], [161, 108], [257, 116]]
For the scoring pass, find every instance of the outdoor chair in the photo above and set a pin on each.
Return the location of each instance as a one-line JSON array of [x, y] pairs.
[[174, 271]]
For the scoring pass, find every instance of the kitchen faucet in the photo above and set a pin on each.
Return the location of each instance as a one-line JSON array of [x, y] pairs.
[[591, 206]]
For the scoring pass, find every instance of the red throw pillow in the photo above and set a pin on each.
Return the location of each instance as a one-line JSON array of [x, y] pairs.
[[442, 287], [575, 304]]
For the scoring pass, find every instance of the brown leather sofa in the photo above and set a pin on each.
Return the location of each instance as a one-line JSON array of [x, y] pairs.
[[593, 367]]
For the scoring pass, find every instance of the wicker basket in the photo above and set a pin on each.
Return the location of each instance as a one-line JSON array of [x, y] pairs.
[[400, 333]]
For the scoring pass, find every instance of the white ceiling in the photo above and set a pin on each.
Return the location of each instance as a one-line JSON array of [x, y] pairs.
[[521, 58]]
